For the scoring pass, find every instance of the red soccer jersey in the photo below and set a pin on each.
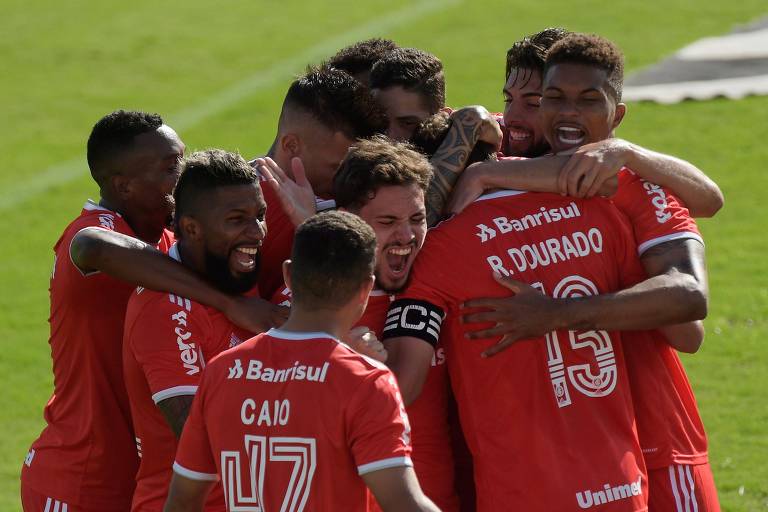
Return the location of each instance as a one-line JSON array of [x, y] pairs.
[[167, 341], [86, 454], [549, 421], [428, 414], [301, 412], [668, 421]]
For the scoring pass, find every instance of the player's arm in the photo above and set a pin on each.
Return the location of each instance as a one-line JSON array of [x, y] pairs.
[[592, 164], [674, 293], [469, 125], [397, 489], [131, 260], [175, 411], [186, 494]]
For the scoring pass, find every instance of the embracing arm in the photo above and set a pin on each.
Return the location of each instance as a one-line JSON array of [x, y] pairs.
[[409, 359], [131, 260]]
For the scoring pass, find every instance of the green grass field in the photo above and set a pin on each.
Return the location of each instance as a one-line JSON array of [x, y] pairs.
[[217, 73]]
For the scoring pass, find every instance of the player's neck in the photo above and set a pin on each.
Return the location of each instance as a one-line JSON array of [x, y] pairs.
[[191, 258], [333, 322], [147, 230]]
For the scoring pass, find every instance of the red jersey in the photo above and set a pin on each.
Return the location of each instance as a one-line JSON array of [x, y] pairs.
[[301, 411], [428, 414], [549, 421], [668, 421], [167, 341], [86, 454]]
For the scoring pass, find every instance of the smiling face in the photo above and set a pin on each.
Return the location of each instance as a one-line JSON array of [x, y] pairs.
[[578, 106], [231, 231], [522, 96], [405, 110], [399, 219]]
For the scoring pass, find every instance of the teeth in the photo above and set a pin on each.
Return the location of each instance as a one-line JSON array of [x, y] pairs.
[[518, 135], [248, 250], [400, 251], [569, 129]]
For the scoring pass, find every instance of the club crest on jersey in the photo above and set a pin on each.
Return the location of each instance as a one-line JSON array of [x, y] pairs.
[[543, 216]]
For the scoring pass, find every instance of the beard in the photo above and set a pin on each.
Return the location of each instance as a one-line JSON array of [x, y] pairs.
[[218, 273], [379, 285]]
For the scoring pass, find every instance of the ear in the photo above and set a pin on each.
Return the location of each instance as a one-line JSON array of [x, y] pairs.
[[190, 228], [365, 291], [287, 274], [290, 144], [621, 110]]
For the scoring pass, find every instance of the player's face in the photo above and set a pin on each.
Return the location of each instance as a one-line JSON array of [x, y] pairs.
[[522, 96], [405, 110], [322, 151], [399, 219], [577, 107], [233, 229], [152, 166]]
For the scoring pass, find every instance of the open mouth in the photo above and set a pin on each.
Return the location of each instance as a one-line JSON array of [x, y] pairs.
[[519, 135], [570, 135], [243, 259], [397, 258]]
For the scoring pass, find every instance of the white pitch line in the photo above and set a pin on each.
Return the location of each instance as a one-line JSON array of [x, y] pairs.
[[70, 170]]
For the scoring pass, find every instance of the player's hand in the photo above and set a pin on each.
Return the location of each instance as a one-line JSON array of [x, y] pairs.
[[486, 128], [527, 314], [469, 187], [591, 166], [364, 341], [297, 197], [255, 314]]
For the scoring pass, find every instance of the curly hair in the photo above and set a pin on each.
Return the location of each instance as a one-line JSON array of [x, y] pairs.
[[337, 101], [592, 50], [361, 56], [432, 131], [414, 70], [531, 51], [113, 134], [374, 163]]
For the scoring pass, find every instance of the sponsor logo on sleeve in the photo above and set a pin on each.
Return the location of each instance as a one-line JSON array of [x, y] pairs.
[[588, 498], [189, 354], [658, 200]]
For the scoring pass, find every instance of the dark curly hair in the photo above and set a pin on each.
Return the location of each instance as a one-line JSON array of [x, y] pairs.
[[360, 57], [531, 51], [113, 134], [337, 101], [432, 131], [414, 70], [592, 50], [374, 163]]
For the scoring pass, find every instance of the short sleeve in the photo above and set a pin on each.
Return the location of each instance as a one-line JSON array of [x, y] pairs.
[[194, 456], [657, 216], [166, 340], [379, 434]]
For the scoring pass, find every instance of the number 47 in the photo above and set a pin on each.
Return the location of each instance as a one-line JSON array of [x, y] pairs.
[[246, 495]]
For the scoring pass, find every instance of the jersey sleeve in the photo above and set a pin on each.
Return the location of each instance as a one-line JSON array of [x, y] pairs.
[[166, 340], [194, 456], [377, 425], [657, 216]]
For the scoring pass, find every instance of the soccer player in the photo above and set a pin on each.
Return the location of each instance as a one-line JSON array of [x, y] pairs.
[[85, 458], [384, 182], [587, 68], [293, 419], [359, 58], [168, 339], [323, 113]]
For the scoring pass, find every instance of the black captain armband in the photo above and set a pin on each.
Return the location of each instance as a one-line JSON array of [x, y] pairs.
[[415, 319]]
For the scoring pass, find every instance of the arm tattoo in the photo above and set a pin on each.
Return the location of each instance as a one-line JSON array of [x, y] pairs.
[[175, 410], [449, 161]]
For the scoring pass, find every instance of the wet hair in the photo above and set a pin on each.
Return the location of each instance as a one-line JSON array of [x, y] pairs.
[[114, 134], [333, 256], [432, 131], [591, 50], [414, 70], [375, 163], [361, 56], [531, 51], [204, 171], [337, 101]]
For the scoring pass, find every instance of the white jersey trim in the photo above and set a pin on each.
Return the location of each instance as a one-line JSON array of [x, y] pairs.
[[92, 206], [54, 505], [500, 193], [194, 475], [298, 336], [393, 462], [173, 252], [668, 238], [174, 391]]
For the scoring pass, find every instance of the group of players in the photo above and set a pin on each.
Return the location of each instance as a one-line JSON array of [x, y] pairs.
[[300, 341]]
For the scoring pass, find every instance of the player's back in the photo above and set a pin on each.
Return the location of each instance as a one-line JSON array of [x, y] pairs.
[[549, 421], [298, 417]]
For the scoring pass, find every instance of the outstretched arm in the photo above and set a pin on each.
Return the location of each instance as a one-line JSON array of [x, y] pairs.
[[131, 260]]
